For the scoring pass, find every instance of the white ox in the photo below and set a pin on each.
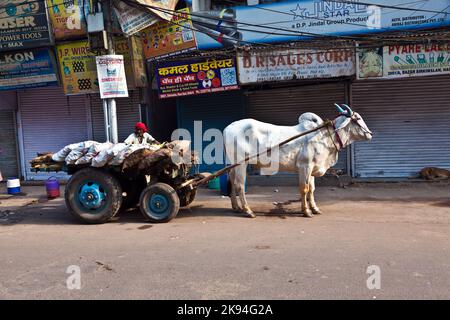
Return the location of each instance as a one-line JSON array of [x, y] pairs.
[[310, 155]]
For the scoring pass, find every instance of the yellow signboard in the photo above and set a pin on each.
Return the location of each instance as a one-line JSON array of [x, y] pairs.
[[79, 72], [67, 18], [165, 39], [77, 68]]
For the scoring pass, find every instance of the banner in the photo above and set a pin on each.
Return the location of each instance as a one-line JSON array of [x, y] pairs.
[[27, 69], [165, 39], [189, 78], [77, 68], [290, 64], [111, 76], [294, 20], [67, 18], [23, 24], [401, 61], [131, 19]]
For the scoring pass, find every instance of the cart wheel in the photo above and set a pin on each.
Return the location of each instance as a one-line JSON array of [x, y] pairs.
[[93, 196], [159, 202], [186, 197]]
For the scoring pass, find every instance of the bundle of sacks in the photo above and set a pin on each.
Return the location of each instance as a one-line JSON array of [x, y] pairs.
[[98, 154]]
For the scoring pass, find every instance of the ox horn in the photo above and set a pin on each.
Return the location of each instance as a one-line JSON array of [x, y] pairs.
[[348, 109], [339, 108]]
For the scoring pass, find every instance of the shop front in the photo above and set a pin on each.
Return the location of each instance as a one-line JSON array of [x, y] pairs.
[[8, 142]]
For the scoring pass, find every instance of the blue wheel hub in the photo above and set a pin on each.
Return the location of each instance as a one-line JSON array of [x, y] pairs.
[[158, 204], [91, 195]]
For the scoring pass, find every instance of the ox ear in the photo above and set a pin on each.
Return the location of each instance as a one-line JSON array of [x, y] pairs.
[[342, 122]]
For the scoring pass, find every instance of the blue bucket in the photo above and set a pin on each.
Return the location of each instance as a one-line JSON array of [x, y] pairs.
[[13, 186], [225, 185]]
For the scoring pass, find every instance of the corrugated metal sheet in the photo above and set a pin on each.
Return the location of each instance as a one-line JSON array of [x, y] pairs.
[[283, 106], [49, 121], [8, 150], [214, 110], [127, 115], [410, 119]]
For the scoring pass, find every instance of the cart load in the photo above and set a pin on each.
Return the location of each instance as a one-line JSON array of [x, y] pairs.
[[108, 177]]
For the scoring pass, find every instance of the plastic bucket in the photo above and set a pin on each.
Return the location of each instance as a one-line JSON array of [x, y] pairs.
[[52, 188], [224, 185], [13, 186]]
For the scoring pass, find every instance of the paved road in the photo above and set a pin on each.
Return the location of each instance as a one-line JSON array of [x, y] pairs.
[[208, 252]]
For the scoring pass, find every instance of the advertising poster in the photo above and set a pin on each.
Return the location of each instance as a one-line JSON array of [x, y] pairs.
[[290, 64], [189, 78], [165, 39], [67, 18], [27, 69], [77, 68], [243, 25], [111, 76], [401, 61], [131, 19], [23, 24]]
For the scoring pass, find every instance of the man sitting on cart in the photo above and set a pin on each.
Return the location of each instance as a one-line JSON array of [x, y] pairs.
[[140, 135]]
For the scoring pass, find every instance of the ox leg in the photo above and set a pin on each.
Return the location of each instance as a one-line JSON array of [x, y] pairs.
[[234, 203], [304, 178], [241, 172], [312, 202]]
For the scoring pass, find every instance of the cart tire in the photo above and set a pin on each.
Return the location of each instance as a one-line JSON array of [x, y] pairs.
[[93, 196], [186, 198], [159, 203]]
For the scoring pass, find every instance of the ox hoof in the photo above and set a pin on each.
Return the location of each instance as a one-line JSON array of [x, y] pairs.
[[307, 213], [250, 213], [237, 209], [316, 211]]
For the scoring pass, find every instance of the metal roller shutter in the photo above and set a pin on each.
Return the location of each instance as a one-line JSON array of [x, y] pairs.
[[128, 114], [214, 110], [8, 150], [410, 119], [283, 106], [49, 121]]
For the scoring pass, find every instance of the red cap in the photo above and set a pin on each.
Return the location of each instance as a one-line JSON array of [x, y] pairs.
[[140, 125]]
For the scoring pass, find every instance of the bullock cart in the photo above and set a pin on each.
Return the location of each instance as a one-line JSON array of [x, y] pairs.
[[148, 178]]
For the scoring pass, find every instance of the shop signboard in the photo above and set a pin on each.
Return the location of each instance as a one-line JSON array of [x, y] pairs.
[[176, 79], [23, 24], [77, 68], [111, 76], [162, 8], [27, 69], [165, 39], [131, 19], [400, 61], [289, 21], [68, 18], [291, 64]]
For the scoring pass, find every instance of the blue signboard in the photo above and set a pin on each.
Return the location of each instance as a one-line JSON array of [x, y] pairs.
[[27, 69], [23, 24], [301, 20]]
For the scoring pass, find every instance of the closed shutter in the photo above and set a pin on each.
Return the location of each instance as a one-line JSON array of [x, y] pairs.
[[410, 119], [128, 114], [215, 111], [8, 150], [50, 120], [283, 106]]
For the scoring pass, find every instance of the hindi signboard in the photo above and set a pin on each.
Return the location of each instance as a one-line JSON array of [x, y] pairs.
[[111, 76], [399, 61], [23, 24], [189, 78], [27, 69], [290, 64]]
